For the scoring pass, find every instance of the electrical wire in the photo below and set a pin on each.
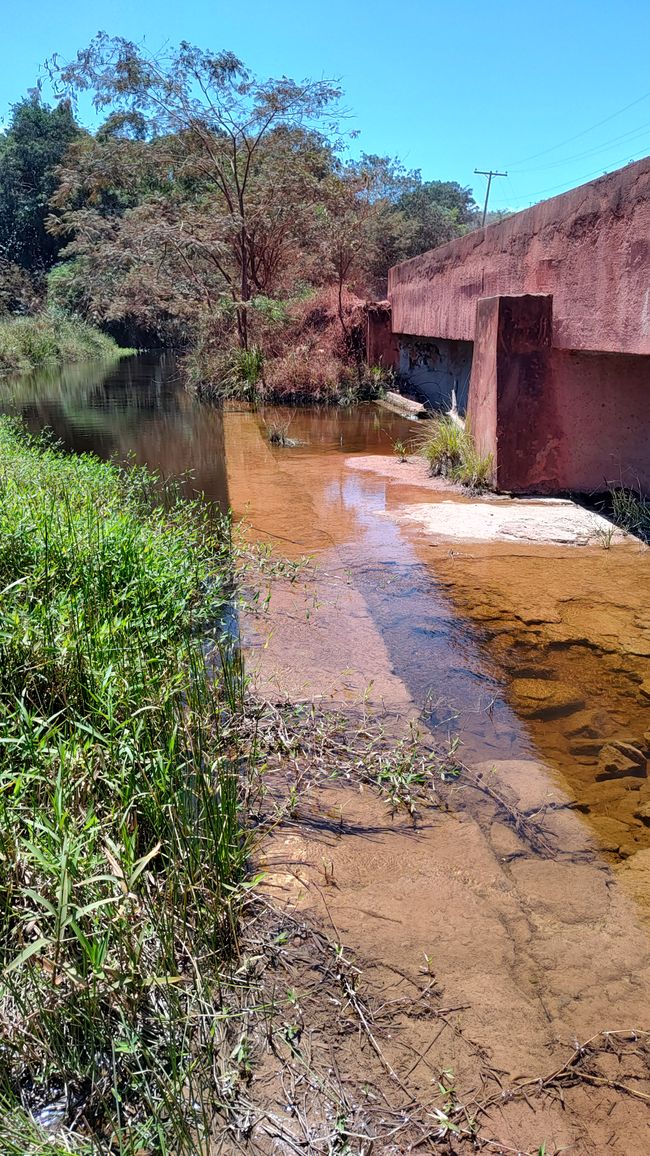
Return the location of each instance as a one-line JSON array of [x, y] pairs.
[[576, 181], [588, 152], [569, 140]]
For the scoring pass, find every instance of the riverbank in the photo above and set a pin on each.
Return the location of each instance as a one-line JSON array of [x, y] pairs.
[[122, 851], [51, 338], [494, 911], [414, 928]]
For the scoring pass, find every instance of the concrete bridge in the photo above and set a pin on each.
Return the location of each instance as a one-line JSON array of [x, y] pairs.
[[539, 328]]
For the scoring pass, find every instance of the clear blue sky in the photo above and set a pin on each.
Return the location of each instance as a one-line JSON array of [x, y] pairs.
[[446, 86]]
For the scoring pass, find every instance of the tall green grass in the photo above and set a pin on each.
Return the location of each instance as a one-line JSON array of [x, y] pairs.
[[450, 451], [121, 847], [50, 338]]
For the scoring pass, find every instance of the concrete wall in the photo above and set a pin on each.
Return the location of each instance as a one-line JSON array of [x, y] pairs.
[[381, 343], [555, 420], [589, 248], [439, 370], [601, 407]]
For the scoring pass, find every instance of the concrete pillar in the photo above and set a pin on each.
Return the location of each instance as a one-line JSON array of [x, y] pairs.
[[511, 401], [381, 345]]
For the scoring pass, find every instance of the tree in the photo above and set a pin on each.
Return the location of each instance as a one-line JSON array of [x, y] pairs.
[[217, 121], [435, 212], [35, 143], [409, 215]]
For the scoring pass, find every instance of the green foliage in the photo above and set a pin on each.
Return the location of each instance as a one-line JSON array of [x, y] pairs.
[[50, 338], [248, 365], [19, 291], [65, 287], [120, 842], [34, 144], [450, 452]]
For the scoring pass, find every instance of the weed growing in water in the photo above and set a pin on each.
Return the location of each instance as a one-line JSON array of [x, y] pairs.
[[121, 849], [400, 451], [277, 433]]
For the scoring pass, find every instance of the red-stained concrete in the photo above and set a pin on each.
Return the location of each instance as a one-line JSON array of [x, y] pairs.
[[589, 248], [601, 408], [555, 420], [557, 302], [508, 391], [381, 344]]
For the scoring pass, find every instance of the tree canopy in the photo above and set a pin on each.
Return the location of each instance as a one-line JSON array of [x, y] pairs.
[[34, 144], [207, 200]]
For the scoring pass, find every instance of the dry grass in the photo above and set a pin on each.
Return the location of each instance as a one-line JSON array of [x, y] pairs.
[[309, 353]]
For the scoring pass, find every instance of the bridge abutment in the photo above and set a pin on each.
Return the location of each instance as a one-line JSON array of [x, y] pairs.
[[556, 302], [554, 420]]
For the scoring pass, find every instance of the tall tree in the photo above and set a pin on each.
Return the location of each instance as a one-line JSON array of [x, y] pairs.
[[218, 119], [35, 143]]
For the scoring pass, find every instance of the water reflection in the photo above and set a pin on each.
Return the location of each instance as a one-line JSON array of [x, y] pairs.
[[136, 408]]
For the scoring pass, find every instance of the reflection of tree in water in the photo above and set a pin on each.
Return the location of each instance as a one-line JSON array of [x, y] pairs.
[[134, 408]]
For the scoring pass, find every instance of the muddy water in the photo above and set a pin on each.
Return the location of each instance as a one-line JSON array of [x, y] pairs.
[[466, 626], [536, 656], [524, 651]]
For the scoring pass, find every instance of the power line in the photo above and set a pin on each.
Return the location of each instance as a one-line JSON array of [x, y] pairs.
[[634, 132], [584, 131], [491, 173], [576, 181]]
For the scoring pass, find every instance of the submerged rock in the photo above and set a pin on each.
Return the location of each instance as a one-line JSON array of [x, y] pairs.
[[545, 698], [619, 759]]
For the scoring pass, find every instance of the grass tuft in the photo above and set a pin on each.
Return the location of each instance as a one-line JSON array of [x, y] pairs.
[[451, 453], [630, 509]]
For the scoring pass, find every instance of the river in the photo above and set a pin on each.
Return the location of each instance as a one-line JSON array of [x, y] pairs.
[[535, 656]]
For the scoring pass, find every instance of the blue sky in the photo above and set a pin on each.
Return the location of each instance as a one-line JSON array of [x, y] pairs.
[[556, 93]]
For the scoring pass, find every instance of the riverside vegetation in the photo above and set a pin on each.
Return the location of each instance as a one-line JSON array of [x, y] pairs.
[[212, 211], [121, 848], [50, 338], [134, 997], [449, 449]]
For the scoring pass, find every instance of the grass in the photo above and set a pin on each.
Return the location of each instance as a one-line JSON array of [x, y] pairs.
[[451, 453], [121, 848], [630, 509], [50, 338]]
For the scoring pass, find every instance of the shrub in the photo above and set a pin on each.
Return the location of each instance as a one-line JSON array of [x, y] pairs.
[[304, 353], [49, 338]]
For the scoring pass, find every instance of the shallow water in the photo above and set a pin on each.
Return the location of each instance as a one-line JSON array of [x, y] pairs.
[[466, 628], [533, 655]]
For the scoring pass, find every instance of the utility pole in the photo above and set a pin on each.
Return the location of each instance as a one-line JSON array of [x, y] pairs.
[[489, 175]]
